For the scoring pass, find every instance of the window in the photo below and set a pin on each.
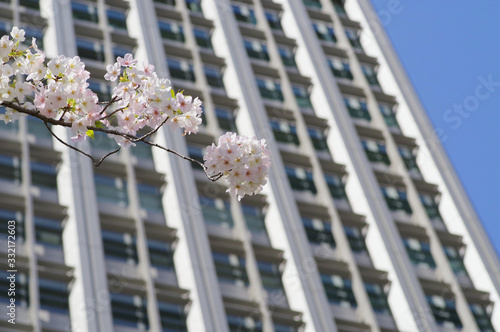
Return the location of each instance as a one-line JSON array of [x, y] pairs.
[[171, 30], [302, 96], [117, 19], [111, 190], [318, 138], [129, 310], [53, 295], [287, 56], [120, 51], [194, 5], [181, 69], [243, 324], [284, 328], [409, 159], [214, 76], [336, 186], [389, 116], [37, 128], [319, 232], [339, 290], [203, 37], [88, 49], [339, 7], [456, 261], [375, 151], [378, 298], [22, 295], [357, 108], [173, 317], [230, 268], [254, 218], [244, 14], [43, 175], [270, 275], [120, 246], [166, 2], [196, 152], [340, 68], [396, 199], [84, 11], [274, 20], [354, 39], [300, 179], [325, 32], [101, 89], [431, 206], [17, 216], [371, 75], [32, 4], [419, 252], [226, 119], [150, 197], [142, 151], [269, 89], [48, 231], [33, 32], [216, 211], [313, 4], [356, 239], [161, 254], [482, 317], [10, 168], [284, 132], [256, 49], [444, 311]]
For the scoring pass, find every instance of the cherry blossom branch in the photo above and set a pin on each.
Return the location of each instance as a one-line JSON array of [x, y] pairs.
[[131, 138]]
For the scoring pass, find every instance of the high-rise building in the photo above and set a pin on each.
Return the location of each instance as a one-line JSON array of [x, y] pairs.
[[364, 225]]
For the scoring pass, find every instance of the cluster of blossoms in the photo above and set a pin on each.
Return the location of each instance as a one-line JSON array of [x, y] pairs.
[[243, 161], [59, 92]]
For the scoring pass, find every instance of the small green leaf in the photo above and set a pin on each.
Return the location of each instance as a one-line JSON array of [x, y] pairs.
[[172, 93], [99, 124], [90, 133]]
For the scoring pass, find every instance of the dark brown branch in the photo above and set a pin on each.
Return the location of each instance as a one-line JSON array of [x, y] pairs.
[[96, 164], [131, 138]]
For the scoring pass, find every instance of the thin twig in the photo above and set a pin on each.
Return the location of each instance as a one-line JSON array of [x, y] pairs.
[[96, 164], [151, 132], [115, 98]]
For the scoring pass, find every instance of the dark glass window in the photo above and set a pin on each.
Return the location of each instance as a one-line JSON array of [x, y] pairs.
[[244, 14], [357, 108], [340, 68], [90, 50], [269, 89], [53, 295], [120, 246], [319, 231], [378, 298], [444, 311], [117, 19], [318, 138], [85, 12], [111, 189], [171, 30], [284, 132], [274, 20], [325, 32], [302, 96], [230, 268], [129, 310], [356, 239], [243, 324], [300, 179], [482, 317], [256, 49], [216, 211], [396, 199], [203, 38], [181, 69], [336, 186], [173, 317], [161, 254], [419, 252], [376, 152], [338, 290], [270, 276]]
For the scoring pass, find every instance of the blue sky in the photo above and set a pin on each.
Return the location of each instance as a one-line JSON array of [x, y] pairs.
[[448, 48]]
